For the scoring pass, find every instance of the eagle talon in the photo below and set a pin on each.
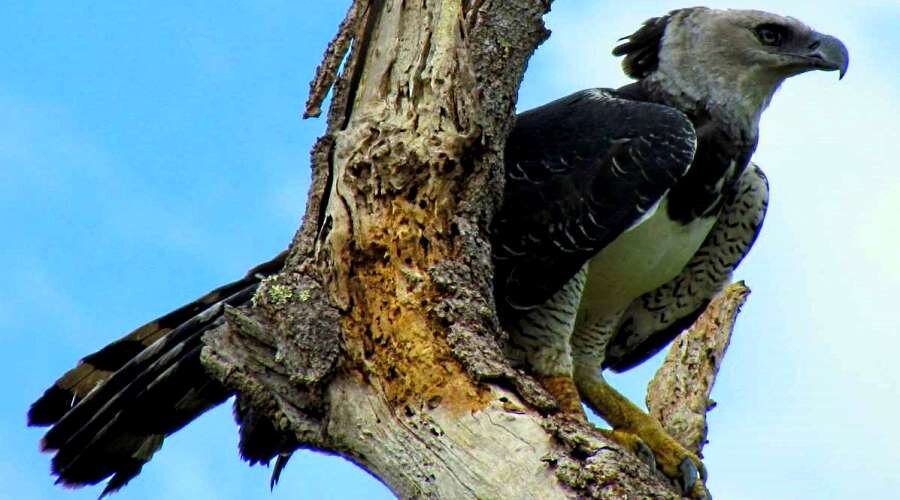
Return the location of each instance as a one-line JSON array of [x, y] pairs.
[[693, 480], [633, 443], [690, 474], [644, 453], [635, 430]]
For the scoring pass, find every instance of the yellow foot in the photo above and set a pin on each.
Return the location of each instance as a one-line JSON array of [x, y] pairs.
[[656, 448], [700, 492], [632, 443], [563, 389], [635, 430]]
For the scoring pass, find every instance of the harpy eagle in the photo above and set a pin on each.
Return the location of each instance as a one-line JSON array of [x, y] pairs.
[[625, 211]]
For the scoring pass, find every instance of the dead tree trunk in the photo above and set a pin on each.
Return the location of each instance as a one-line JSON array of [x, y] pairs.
[[379, 339]]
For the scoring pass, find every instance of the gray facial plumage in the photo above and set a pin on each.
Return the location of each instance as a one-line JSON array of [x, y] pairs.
[[727, 62]]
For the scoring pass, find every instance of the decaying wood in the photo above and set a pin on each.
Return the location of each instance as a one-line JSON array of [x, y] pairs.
[[379, 340], [678, 395]]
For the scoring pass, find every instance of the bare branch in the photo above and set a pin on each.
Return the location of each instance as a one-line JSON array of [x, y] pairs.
[[327, 71], [678, 395]]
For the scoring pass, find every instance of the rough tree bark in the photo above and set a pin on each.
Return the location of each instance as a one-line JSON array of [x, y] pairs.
[[379, 340]]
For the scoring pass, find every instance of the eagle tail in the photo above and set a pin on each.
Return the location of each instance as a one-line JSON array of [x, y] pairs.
[[110, 413]]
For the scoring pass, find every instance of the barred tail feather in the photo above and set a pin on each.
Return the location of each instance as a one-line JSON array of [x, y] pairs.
[[111, 412]]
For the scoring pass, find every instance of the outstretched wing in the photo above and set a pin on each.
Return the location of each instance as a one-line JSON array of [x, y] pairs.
[[112, 411], [657, 317], [579, 172]]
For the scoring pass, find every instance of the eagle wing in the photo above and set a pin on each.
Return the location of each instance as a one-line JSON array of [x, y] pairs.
[[579, 171], [657, 317]]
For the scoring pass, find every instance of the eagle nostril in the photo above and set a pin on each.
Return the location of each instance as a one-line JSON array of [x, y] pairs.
[[815, 45]]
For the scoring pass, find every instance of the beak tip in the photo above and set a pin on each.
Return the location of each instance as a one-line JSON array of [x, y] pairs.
[[832, 53], [843, 69]]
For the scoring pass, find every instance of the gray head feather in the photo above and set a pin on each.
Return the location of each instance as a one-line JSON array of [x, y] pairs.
[[726, 62]]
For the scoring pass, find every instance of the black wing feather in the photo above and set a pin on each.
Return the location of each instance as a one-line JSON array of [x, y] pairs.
[[579, 172]]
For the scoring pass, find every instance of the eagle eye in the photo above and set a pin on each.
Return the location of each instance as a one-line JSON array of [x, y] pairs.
[[771, 34]]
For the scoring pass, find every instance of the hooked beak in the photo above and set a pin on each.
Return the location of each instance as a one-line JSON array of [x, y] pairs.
[[827, 53]]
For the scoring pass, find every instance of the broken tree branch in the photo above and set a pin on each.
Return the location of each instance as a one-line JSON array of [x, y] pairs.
[[678, 395], [327, 71]]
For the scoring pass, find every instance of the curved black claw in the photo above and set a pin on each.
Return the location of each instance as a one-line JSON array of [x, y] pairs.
[[636, 445], [689, 475], [644, 453]]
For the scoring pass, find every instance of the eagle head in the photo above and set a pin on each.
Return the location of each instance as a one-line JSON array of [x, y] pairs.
[[732, 60]]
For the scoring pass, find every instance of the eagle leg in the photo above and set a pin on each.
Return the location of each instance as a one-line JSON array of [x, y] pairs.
[[562, 388], [541, 340], [635, 430]]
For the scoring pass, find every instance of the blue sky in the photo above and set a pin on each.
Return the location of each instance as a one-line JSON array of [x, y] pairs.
[[148, 154]]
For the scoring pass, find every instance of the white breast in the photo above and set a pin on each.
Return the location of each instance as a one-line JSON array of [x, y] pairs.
[[646, 256]]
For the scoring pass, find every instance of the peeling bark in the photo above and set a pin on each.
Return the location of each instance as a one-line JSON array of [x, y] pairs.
[[379, 340]]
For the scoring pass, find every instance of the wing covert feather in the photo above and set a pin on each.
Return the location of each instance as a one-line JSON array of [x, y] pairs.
[[580, 171]]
